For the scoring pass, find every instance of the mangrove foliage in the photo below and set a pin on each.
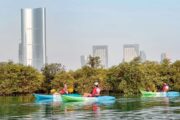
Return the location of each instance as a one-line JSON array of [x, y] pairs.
[[125, 78]]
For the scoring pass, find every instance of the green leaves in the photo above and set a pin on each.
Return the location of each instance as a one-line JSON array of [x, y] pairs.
[[94, 62], [49, 71], [125, 78], [130, 78], [19, 79]]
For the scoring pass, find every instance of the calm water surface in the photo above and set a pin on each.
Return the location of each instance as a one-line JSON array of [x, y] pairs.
[[123, 108]]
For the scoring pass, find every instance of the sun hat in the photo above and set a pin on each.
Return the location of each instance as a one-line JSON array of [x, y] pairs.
[[96, 83]]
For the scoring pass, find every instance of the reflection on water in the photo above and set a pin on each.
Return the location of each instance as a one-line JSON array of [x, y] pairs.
[[122, 108]]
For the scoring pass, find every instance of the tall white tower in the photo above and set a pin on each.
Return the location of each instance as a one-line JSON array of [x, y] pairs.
[[130, 51], [102, 52], [142, 56], [32, 49], [164, 56], [84, 60]]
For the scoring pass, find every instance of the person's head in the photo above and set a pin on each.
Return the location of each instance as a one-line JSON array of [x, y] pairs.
[[96, 84], [164, 83], [53, 91]]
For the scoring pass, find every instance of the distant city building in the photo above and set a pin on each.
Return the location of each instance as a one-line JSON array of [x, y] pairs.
[[163, 56], [102, 52], [142, 56], [32, 49], [84, 60], [130, 51]]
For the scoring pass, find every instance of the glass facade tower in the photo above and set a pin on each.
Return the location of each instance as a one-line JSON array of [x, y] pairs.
[[32, 49], [102, 52], [130, 51], [84, 60]]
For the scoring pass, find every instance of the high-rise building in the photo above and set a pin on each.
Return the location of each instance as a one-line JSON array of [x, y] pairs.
[[84, 60], [102, 52], [142, 56], [32, 49], [163, 56], [130, 51]]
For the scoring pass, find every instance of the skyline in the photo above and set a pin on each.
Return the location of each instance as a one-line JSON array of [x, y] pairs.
[[73, 27]]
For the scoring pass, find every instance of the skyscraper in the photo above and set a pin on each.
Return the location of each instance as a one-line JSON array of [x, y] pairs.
[[102, 52], [163, 56], [84, 60], [142, 56], [32, 49], [130, 51]]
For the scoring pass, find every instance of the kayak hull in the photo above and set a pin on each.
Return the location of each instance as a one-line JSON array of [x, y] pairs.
[[88, 99], [160, 94], [55, 97], [42, 96]]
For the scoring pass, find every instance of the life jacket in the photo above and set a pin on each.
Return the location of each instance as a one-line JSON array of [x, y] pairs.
[[63, 91], [95, 91], [165, 88]]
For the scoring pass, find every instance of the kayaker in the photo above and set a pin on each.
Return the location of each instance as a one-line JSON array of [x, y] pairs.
[[53, 91], [64, 90], [75, 88], [165, 87], [95, 92]]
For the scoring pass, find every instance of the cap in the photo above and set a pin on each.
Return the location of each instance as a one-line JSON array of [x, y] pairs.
[[53, 91], [96, 83]]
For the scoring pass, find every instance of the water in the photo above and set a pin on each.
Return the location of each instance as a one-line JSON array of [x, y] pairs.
[[123, 108]]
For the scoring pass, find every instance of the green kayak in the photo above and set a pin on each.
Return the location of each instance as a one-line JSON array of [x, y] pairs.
[[151, 94], [66, 98], [160, 94]]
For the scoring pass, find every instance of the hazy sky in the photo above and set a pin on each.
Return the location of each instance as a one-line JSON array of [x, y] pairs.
[[74, 26]]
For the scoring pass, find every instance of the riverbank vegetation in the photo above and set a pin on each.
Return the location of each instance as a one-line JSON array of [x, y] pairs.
[[18, 79], [125, 78]]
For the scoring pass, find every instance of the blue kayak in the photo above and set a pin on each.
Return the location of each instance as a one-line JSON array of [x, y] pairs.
[[56, 97], [42, 96], [72, 98], [173, 94]]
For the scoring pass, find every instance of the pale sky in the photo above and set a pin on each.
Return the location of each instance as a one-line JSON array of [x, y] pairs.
[[74, 26]]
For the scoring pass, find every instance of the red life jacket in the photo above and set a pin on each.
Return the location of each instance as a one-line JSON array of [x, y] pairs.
[[95, 91], [165, 88], [63, 91]]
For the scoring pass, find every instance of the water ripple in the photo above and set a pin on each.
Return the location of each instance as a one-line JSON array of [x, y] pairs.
[[123, 108]]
